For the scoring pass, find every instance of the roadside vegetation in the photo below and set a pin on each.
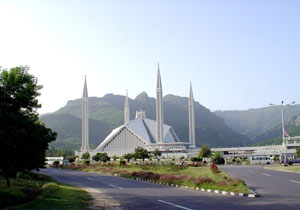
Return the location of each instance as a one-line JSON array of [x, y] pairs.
[[285, 168], [37, 191], [196, 173]]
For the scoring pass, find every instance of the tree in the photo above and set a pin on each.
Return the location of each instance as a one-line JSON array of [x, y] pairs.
[[196, 159], [85, 156], [217, 158], [128, 156], [157, 153], [297, 155], [205, 151], [141, 153], [23, 138], [101, 157]]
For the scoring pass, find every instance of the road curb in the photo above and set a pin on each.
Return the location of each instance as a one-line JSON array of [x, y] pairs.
[[225, 193]]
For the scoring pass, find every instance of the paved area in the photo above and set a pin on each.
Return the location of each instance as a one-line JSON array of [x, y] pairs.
[[276, 187], [120, 193]]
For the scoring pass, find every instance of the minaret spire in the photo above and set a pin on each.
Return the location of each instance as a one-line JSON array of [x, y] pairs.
[[159, 109], [126, 109], [85, 120], [191, 118]]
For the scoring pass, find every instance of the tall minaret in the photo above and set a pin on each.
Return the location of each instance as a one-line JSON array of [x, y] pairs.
[[159, 109], [85, 119], [191, 118], [126, 109]]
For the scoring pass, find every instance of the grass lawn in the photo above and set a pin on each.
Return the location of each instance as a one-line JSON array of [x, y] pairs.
[[285, 168], [221, 181], [37, 191]]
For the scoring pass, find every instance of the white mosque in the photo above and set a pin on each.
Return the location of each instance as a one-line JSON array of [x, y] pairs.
[[141, 131]]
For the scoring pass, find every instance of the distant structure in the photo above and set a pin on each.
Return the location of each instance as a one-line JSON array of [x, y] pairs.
[[146, 133], [85, 119], [126, 109], [191, 119]]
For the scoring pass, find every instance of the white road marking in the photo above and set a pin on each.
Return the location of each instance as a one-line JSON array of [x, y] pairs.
[[266, 174], [251, 171], [116, 186], [294, 181], [172, 204], [69, 173], [90, 178]]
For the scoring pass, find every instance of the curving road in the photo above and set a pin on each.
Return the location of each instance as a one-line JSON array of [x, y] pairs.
[[120, 193]]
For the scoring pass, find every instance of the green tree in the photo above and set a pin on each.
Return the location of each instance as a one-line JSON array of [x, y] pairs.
[[101, 157], [205, 151], [23, 138], [128, 156], [85, 156], [297, 155], [157, 153], [141, 153], [217, 158]]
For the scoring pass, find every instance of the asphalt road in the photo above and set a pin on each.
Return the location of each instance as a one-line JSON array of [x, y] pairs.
[[120, 193], [277, 187]]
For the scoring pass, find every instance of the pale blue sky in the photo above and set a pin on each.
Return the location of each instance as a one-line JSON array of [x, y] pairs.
[[239, 54]]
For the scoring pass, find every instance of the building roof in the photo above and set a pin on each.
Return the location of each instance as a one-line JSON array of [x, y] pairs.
[[145, 129]]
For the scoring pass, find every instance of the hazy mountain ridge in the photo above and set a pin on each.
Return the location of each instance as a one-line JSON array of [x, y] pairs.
[[261, 124], [106, 113]]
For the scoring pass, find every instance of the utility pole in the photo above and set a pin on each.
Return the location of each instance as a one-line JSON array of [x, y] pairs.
[[282, 125]]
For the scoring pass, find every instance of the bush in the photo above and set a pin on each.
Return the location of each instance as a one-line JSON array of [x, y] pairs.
[[214, 169], [55, 163], [202, 180], [217, 158], [86, 162], [85, 156], [196, 159], [205, 151], [122, 163], [226, 181]]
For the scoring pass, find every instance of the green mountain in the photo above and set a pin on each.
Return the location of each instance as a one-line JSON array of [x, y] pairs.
[[278, 140], [259, 124], [106, 113]]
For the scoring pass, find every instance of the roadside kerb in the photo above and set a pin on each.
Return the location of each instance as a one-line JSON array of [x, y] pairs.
[[250, 195]]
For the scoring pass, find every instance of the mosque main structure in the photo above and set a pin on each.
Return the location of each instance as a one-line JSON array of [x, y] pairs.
[[142, 131]]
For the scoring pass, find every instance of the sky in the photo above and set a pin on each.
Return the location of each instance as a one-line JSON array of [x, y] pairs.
[[239, 54]]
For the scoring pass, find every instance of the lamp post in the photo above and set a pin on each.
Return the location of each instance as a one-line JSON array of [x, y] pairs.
[[282, 125]]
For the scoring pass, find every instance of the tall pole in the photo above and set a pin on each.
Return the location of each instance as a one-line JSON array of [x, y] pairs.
[[283, 140], [282, 125]]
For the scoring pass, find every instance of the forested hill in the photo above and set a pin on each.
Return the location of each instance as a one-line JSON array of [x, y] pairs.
[[260, 124], [106, 113]]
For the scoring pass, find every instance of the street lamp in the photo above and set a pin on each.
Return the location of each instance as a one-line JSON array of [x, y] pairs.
[[282, 125]]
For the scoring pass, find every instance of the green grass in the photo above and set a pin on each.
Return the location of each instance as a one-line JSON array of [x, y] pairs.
[[232, 186], [39, 191], [285, 168]]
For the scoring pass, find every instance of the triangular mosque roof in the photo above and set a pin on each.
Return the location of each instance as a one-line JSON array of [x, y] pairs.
[[145, 129]]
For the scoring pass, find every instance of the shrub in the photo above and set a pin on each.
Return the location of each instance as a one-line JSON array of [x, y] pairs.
[[196, 159], [217, 158], [226, 181], [86, 162], [205, 151], [214, 169], [202, 180], [55, 163], [122, 162]]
